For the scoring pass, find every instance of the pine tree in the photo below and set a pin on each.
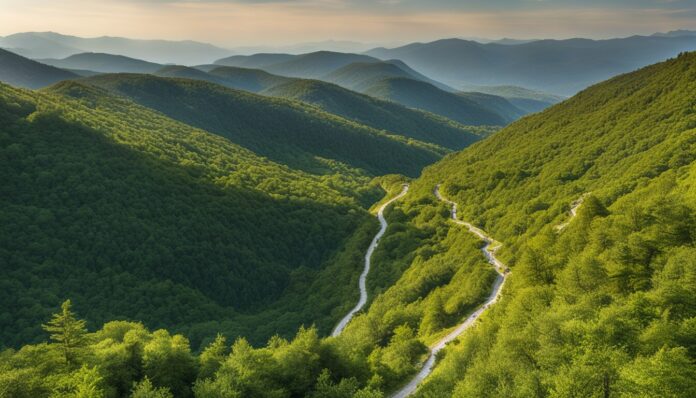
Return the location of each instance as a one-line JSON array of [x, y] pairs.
[[67, 331]]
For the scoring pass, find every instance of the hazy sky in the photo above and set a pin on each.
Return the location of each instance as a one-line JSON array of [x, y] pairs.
[[274, 22]]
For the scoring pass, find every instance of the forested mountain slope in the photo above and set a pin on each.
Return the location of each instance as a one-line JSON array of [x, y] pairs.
[[360, 76], [185, 72], [23, 72], [604, 306], [103, 200], [523, 98], [380, 114], [254, 80], [460, 108], [285, 131], [369, 111], [317, 64]]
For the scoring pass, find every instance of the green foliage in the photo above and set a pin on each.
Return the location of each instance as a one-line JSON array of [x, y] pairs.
[[212, 357], [145, 389], [603, 306], [167, 362], [83, 383], [378, 351]]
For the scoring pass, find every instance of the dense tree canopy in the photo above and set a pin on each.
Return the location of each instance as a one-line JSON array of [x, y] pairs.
[[103, 199], [604, 306], [598, 305]]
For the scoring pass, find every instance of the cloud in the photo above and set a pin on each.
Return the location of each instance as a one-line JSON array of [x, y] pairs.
[[273, 22]]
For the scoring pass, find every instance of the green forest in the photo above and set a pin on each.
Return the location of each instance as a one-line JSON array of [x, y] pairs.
[[605, 306], [174, 238], [103, 199]]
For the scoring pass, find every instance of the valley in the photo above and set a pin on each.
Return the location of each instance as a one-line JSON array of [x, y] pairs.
[[178, 220], [368, 256]]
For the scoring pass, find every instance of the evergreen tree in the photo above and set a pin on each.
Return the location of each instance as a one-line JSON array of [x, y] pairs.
[[67, 331]]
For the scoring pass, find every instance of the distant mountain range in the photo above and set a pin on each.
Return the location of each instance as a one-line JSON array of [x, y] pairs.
[[311, 65], [392, 81], [55, 45], [22, 72], [103, 63], [558, 66]]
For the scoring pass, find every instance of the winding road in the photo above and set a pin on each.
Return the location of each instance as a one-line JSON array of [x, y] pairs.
[[489, 250], [368, 255]]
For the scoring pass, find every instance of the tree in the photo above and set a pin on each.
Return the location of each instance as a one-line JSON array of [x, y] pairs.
[[670, 373], [83, 383], [212, 357], [67, 331], [145, 389], [168, 362]]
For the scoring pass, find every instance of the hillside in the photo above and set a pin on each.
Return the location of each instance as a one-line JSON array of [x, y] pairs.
[[254, 80], [104, 199], [379, 114], [530, 101], [460, 108], [185, 72], [41, 45], [501, 106], [316, 65], [23, 72], [604, 304], [365, 110], [360, 76], [104, 63], [285, 131], [255, 61], [561, 67]]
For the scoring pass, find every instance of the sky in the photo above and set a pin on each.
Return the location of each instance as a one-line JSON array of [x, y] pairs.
[[235, 23]]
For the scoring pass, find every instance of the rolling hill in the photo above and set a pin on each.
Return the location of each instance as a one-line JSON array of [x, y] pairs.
[[362, 109], [316, 65], [530, 101], [468, 109], [379, 114], [388, 80], [360, 76], [185, 72], [558, 66], [104, 63], [255, 61], [286, 131], [254, 80], [23, 72]]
